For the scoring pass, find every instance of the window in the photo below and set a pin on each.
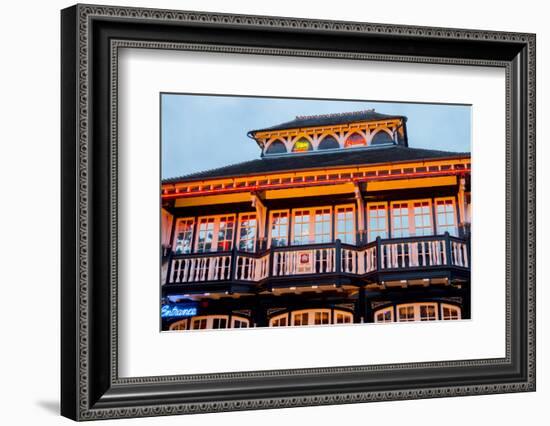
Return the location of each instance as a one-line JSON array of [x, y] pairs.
[[321, 318], [218, 322], [179, 325], [422, 218], [184, 236], [345, 224], [405, 313], [199, 324], [329, 142], [341, 317], [239, 323], [215, 233], [205, 234], [384, 315], [279, 321], [428, 312], [381, 137], [301, 318], [355, 139], [411, 218], [445, 216], [312, 226], [279, 229], [276, 147], [247, 232], [302, 145], [377, 221], [311, 317], [417, 312], [450, 312], [400, 220]]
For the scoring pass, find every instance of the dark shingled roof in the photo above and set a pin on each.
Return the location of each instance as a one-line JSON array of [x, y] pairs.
[[317, 160], [330, 119]]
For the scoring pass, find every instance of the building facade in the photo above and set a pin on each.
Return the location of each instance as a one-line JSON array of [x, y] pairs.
[[339, 221]]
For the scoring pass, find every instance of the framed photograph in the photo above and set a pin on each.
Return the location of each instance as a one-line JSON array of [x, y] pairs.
[[263, 212]]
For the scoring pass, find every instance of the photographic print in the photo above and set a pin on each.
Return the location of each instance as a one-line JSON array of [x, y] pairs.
[[283, 212]]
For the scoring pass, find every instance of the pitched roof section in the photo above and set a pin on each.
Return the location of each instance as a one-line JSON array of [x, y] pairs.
[[348, 157], [330, 120]]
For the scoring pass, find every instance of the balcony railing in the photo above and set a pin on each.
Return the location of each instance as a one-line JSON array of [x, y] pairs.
[[382, 255]]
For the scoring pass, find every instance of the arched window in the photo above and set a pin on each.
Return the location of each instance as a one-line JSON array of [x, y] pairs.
[[450, 312], [276, 147], [329, 142], [179, 325], [321, 316], [355, 139], [384, 315], [217, 322], [302, 145], [381, 137]]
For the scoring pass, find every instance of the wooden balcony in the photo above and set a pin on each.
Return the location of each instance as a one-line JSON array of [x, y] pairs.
[[369, 261]]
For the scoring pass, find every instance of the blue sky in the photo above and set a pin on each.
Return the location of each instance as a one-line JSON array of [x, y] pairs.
[[204, 132]]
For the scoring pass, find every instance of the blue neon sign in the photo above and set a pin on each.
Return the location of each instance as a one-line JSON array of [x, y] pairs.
[[178, 311]]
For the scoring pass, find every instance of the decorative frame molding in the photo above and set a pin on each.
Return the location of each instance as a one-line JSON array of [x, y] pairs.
[[91, 37]]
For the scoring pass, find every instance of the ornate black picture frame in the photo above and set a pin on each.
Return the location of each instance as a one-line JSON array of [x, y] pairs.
[[91, 37]]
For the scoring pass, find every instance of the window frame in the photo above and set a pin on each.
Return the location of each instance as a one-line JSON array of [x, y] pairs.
[[230, 321], [387, 229], [239, 227], [381, 311], [450, 306], [216, 230], [270, 225], [411, 217], [354, 223], [416, 311], [455, 214], [312, 223], [175, 236]]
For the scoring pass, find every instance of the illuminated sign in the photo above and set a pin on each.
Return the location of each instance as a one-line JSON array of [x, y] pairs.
[[178, 311], [301, 146]]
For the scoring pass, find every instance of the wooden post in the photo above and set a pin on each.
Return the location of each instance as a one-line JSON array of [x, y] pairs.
[[233, 267], [448, 248], [360, 215], [378, 254]]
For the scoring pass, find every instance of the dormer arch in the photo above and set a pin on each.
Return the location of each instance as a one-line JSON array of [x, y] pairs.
[[354, 138], [328, 140], [276, 146], [380, 136], [302, 143]]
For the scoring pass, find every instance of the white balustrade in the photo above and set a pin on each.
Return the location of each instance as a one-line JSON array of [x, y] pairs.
[[303, 261], [459, 254], [322, 260], [196, 269], [252, 269], [413, 254]]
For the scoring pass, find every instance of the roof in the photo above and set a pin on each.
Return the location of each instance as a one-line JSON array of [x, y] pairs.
[[316, 160], [330, 119]]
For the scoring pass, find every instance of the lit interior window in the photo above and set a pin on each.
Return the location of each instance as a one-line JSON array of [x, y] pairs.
[[302, 145]]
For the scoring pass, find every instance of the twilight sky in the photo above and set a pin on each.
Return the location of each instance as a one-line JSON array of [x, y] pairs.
[[204, 132]]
